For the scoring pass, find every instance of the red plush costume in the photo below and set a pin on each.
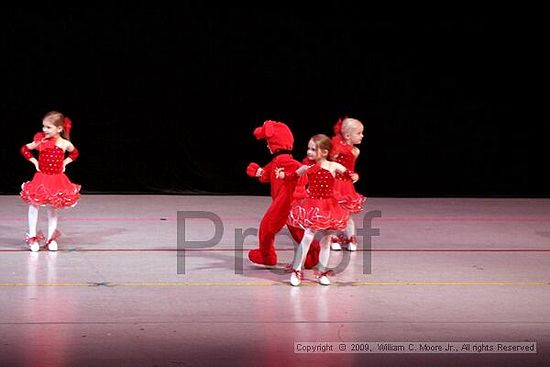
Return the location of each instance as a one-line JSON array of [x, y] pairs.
[[279, 141]]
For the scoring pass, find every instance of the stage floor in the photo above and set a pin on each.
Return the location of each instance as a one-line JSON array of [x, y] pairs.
[[469, 271]]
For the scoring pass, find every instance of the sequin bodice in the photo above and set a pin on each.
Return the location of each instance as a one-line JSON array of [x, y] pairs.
[[50, 160], [321, 183], [343, 154], [346, 159]]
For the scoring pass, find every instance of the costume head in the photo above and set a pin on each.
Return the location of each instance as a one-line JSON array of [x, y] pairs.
[[277, 134]]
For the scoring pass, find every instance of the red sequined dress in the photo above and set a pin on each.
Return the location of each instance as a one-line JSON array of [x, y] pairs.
[[319, 209], [50, 186], [344, 188]]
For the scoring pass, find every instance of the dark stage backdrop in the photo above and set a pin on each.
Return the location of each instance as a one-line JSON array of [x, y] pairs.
[[165, 100]]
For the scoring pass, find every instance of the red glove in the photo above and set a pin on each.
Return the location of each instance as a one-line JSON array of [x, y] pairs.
[[74, 154], [252, 169], [26, 152]]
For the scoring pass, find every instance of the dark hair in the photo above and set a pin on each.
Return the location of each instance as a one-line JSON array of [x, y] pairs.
[[322, 142]]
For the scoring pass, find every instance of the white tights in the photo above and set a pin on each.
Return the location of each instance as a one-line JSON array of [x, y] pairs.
[[350, 228], [33, 220], [303, 248]]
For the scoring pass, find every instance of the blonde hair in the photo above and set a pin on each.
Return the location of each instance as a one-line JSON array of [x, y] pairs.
[[349, 124]]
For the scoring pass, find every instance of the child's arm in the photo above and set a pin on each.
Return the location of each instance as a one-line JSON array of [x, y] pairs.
[[265, 173], [73, 155], [254, 170], [280, 173], [26, 152], [345, 172], [262, 173]]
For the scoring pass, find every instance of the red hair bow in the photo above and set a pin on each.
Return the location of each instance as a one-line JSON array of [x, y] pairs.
[[67, 124]]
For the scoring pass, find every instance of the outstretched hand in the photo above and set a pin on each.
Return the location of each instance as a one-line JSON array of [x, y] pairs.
[[300, 171], [254, 170]]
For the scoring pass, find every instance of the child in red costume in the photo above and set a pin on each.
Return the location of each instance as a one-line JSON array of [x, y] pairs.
[[49, 186], [279, 142], [348, 132], [319, 210]]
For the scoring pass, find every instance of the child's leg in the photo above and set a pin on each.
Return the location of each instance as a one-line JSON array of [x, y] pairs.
[[302, 249], [324, 257], [300, 257], [33, 220], [52, 221], [350, 234], [52, 229], [348, 237], [33, 239], [312, 257], [335, 242], [350, 228], [324, 253], [341, 237]]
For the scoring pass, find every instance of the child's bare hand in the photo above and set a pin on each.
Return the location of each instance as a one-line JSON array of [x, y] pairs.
[[354, 177], [300, 171]]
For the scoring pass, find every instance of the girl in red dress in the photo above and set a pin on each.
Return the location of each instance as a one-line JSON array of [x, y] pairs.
[[319, 210], [50, 186], [348, 133]]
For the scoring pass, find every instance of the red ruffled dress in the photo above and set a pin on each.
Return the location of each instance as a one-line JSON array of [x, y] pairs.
[[50, 186], [344, 188], [319, 209]]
